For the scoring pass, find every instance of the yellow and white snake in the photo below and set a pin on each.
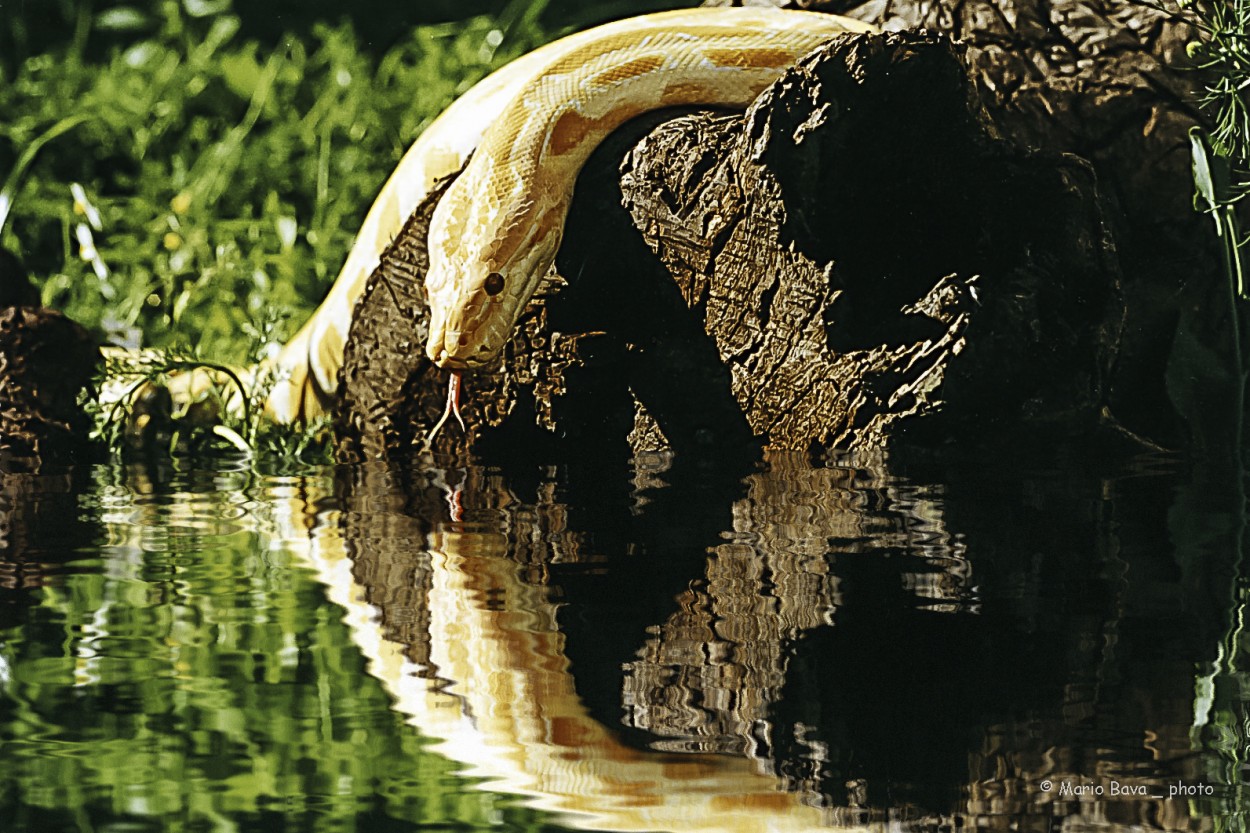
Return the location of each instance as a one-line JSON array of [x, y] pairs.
[[525, 131]]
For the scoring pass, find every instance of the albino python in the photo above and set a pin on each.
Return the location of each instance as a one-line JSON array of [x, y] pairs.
[[525, 132]]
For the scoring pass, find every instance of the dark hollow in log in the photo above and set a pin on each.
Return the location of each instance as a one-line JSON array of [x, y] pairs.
[[858, 259]]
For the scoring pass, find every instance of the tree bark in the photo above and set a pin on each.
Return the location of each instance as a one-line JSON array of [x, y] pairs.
[[860, 259], [1109, 81]]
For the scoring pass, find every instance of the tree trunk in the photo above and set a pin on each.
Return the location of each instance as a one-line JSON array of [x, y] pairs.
[[1108, 81]]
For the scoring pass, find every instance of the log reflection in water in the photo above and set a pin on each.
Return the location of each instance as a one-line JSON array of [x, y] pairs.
[[876, 647], [711, 675], [490, 679]]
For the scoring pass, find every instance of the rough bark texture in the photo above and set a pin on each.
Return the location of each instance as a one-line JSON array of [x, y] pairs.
[[384, 352], [1098, 78], [1105, 80], [865, 253], [391, 395], [859, 257]]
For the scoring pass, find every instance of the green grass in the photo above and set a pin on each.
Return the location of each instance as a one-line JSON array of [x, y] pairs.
[[173, 183], [203, 179]]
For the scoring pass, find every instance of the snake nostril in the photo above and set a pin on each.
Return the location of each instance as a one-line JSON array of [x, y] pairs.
[[493, 284], [464, 340]]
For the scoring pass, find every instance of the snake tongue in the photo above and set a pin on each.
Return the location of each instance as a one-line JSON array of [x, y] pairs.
[[452, 408]]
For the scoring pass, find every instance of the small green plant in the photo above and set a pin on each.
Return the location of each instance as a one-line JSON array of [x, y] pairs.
[[1217, 194], [1222, 54], [1208, 358], [172, 401], [1221, 159]]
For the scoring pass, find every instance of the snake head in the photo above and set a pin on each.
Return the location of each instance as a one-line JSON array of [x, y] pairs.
[[480, 281]]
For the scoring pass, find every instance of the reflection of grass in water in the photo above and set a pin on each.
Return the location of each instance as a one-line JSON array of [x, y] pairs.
[[193, 675]]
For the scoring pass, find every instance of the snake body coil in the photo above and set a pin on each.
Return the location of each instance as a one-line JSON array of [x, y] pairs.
[[525, 131]]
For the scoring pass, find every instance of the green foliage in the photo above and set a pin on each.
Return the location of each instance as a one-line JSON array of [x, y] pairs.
[[190, 183], [1223, 54], [219, 411], [1208, 365], [216, 180]]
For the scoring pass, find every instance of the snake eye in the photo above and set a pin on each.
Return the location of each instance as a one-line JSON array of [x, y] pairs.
[[494, 284]]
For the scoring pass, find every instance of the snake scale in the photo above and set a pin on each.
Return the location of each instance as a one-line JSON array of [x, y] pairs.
[[521, 136]]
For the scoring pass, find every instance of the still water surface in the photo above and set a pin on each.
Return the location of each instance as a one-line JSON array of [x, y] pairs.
[[821, 645]]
